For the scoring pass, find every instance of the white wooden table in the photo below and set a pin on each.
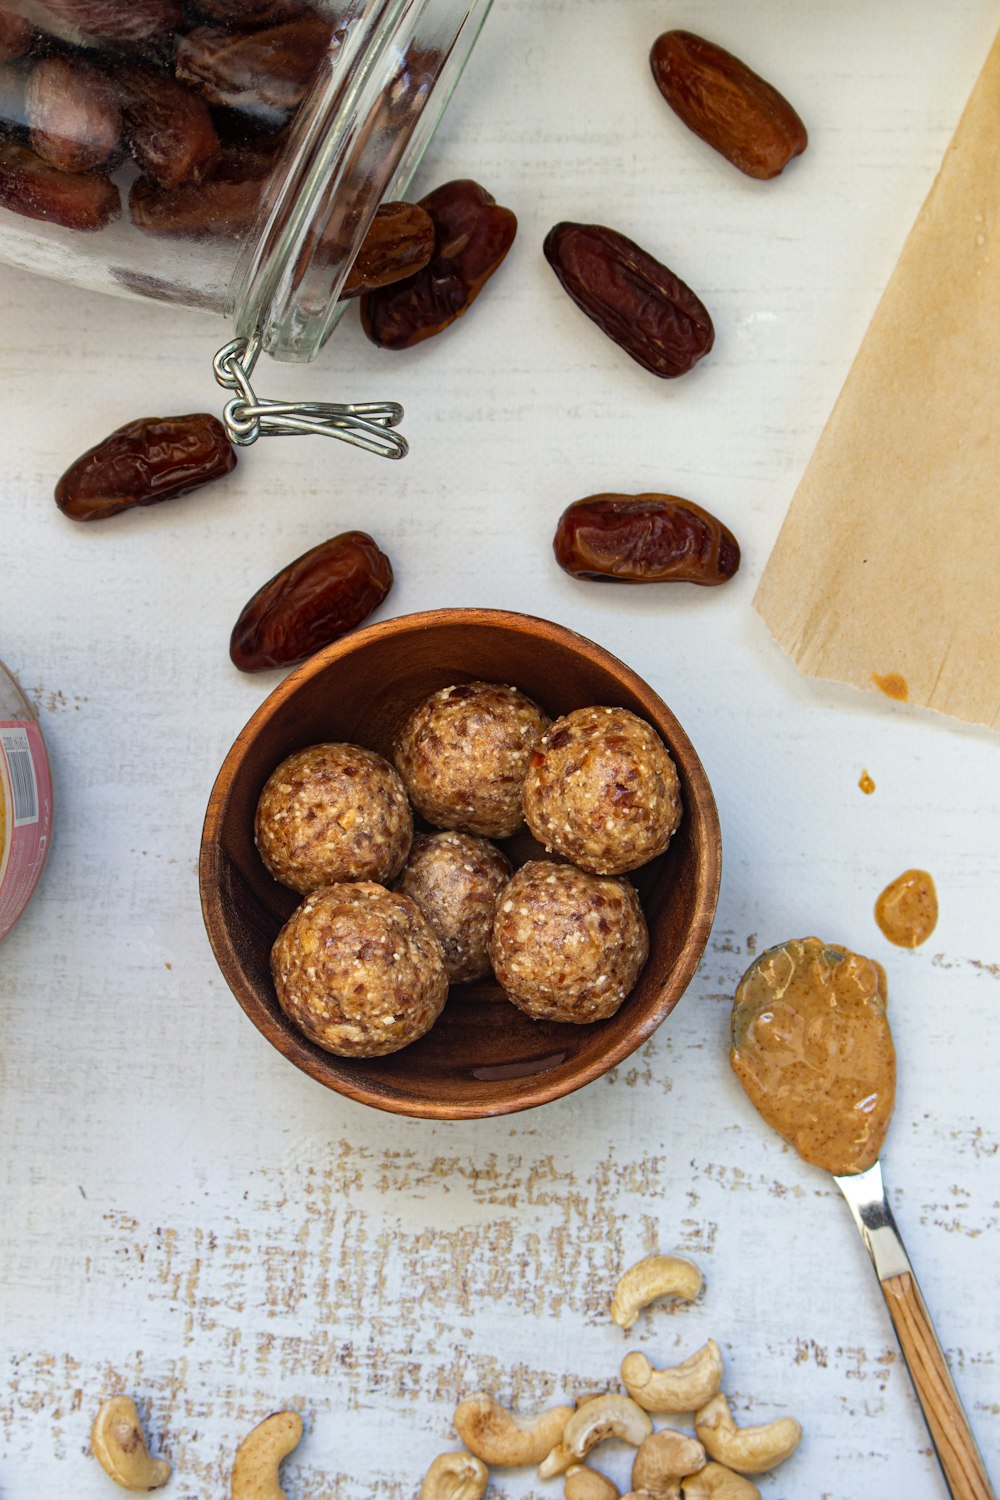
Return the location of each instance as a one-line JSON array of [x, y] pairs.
[[188, 1218]]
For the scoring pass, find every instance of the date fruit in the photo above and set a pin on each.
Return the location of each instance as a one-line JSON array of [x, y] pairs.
[[167, 125], [223, 205], [472, 234], [13, 116], [727, 104], [144, 462], [399, 242], [264, 73], [644, 539], [314, 600], [97, 22], [250, 12], [15, 35], [635, 300], [31, 187], [71, 110]]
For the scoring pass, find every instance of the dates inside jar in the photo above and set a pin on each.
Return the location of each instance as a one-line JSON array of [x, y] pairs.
[[644, 539], [168, 126], [632, 297], [33, 188], [15, 35], [99, 23], [264, 73], [319, 597], [74, 117]]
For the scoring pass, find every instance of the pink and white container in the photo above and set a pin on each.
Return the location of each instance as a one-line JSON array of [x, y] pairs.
[[25, 802]]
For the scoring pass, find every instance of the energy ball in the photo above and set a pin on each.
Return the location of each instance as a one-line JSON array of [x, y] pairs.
[[455, 879], [463, 753], [358, 969], [567, 946], [331, 813], [602, 791]]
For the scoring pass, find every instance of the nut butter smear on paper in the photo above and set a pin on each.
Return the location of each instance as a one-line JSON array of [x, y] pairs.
[[893, 686], [811, 1046]]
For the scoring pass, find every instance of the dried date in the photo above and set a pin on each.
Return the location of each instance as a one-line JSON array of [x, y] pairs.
[[399, 242], [75, 200], [644, 539], [73, 115], [633, 298], [144, 462], [727, 104], [100, 22], [250, 12], [314, 600], [15, 36], [264, 73], [224, 205], [167, 125], [472, 234], [13, 116]]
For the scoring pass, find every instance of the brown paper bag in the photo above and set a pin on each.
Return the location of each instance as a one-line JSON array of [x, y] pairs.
[[886, 572]]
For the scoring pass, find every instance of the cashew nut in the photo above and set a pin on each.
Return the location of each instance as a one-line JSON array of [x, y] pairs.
[[255, 1467], [120, 1447], [748, 1450], [498, 1437], [684, 1387], [716, 1482], [585, 1483], [656, 1276], [604, 1417], [455, 1476], [663, 1459]]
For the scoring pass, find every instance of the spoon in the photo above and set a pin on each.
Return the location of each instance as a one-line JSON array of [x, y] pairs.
[[813, 1050], [960, 1459]]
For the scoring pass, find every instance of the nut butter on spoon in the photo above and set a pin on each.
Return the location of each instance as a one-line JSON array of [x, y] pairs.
[[812, 1047]]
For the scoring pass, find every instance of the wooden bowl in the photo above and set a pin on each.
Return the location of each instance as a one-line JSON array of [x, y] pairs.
[[483, 1056]]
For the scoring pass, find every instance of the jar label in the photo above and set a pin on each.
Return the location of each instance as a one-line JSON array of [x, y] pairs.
[[25, 815]]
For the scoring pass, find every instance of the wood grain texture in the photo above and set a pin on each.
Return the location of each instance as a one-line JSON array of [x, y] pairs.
[[187, 1217], [955, 1445]]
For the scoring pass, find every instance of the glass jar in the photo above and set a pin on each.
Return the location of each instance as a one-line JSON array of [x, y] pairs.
[[226, 154], [25, 802]]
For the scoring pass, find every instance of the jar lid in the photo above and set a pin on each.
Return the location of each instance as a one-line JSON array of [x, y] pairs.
[[356, 142]]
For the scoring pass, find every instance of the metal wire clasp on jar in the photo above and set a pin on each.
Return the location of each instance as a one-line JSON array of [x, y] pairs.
[[355, 142], [246, 417]]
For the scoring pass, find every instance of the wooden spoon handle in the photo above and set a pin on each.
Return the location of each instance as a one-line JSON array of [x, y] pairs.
[[949, 1427], [960, 1459]]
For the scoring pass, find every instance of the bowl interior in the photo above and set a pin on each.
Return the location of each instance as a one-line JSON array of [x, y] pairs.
[[483, 1056]]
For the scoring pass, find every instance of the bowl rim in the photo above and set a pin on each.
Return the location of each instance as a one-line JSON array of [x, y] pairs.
[[532, 1091]]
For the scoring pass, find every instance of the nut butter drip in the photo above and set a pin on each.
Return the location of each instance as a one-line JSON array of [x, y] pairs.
[[812, 1047], [893, 686], [907, 910]]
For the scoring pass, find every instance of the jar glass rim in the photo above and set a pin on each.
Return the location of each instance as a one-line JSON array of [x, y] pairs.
[[356, 142]]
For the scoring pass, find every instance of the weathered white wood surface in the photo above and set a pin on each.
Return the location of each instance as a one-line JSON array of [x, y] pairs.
[[188, 1218]]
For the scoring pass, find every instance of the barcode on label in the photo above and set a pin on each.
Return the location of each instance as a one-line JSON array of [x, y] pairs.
[[21, 769]]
